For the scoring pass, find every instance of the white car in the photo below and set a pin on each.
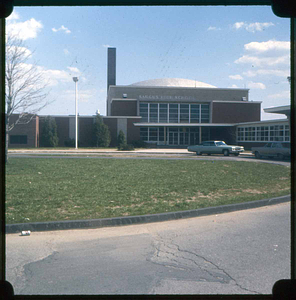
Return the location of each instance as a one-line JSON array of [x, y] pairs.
[[215, 147]]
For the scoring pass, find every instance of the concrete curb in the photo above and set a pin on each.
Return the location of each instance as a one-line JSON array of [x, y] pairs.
[[121, 221]]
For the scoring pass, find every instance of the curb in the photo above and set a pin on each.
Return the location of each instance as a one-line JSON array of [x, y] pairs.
[[132, 220]]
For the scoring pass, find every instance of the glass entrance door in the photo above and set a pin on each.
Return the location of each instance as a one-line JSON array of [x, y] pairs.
[[182, 136], [173, 137], [194, 136]]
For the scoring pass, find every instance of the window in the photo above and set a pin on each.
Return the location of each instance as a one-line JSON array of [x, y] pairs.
[[144, 134], [287, 133], [173, 113], [264, 133], [184, 113], [194, 113], [153, 113], [144, 111], [205, 113], [18, 139], [163, 113]]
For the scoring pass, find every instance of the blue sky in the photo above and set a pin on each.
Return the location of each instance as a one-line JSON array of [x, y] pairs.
[[228, 47]]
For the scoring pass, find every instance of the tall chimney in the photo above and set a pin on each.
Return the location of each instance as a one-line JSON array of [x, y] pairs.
[[111, 76]]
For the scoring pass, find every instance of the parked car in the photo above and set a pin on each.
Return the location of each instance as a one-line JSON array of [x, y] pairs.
[[215, 147], [280, 150]]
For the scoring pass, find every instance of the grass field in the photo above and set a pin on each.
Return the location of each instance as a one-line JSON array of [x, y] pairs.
[[39, 189]]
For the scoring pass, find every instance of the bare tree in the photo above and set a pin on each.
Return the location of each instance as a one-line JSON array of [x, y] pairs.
[[25, 85]]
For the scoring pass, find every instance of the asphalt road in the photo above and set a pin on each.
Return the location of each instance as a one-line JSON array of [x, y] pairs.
[[240, 252]]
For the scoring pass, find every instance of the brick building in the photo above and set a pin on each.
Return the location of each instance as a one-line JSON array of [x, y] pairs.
[[168, 112]]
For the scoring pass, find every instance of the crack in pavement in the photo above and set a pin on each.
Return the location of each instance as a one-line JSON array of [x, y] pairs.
[[216, 266], [169, 254]]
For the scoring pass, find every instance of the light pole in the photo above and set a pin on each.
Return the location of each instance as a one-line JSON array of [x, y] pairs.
[[75, 79]]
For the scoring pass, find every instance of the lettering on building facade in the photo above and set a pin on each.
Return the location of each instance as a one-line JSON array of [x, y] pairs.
[[165, 97]]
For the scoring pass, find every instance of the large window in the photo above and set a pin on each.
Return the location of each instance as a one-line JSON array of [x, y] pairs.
[[144, 111], [205, 113], [163, 113], [184, 113], [263, 133], [153, 113], [175, 113], [194, 113]]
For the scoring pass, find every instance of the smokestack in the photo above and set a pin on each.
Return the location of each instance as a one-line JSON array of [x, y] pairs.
[[111, 76]]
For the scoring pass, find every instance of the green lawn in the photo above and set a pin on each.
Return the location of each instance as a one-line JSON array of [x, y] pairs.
[[52, 189]]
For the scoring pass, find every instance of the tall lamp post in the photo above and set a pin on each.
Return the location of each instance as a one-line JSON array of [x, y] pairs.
[[75, 79]]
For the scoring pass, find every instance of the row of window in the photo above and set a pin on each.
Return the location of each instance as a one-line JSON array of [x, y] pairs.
[[174, 113], [173, 135], [264, 133]]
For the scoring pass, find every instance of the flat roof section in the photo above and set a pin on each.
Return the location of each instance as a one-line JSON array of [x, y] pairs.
[[285, 109]]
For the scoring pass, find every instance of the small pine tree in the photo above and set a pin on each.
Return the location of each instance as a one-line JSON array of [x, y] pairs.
[[121, 141], [49, 135], [101, 133]]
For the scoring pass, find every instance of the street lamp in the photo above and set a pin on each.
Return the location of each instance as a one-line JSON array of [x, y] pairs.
[[75, 79]]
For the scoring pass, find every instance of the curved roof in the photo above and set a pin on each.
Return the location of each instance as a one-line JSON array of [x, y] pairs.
[[174, 82]]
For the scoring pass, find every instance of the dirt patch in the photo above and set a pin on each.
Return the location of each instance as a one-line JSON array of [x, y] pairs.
[[253, 191]]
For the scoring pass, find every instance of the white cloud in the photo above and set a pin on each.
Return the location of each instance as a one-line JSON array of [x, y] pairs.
[[213, 28], [236, 77], [54, 77], [83, 95], [279, 73], [273, 72], [263, 61], [13, 16], [256, 85], [250, 73], [281, 95], [62, 28], [24, 30], [74, 70], [107, 46], [20, 50], [267, 46], [252, 27], [238, 25], [234, 86]]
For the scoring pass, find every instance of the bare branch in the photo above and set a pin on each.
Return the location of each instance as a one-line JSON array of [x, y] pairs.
[[26, 89]]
